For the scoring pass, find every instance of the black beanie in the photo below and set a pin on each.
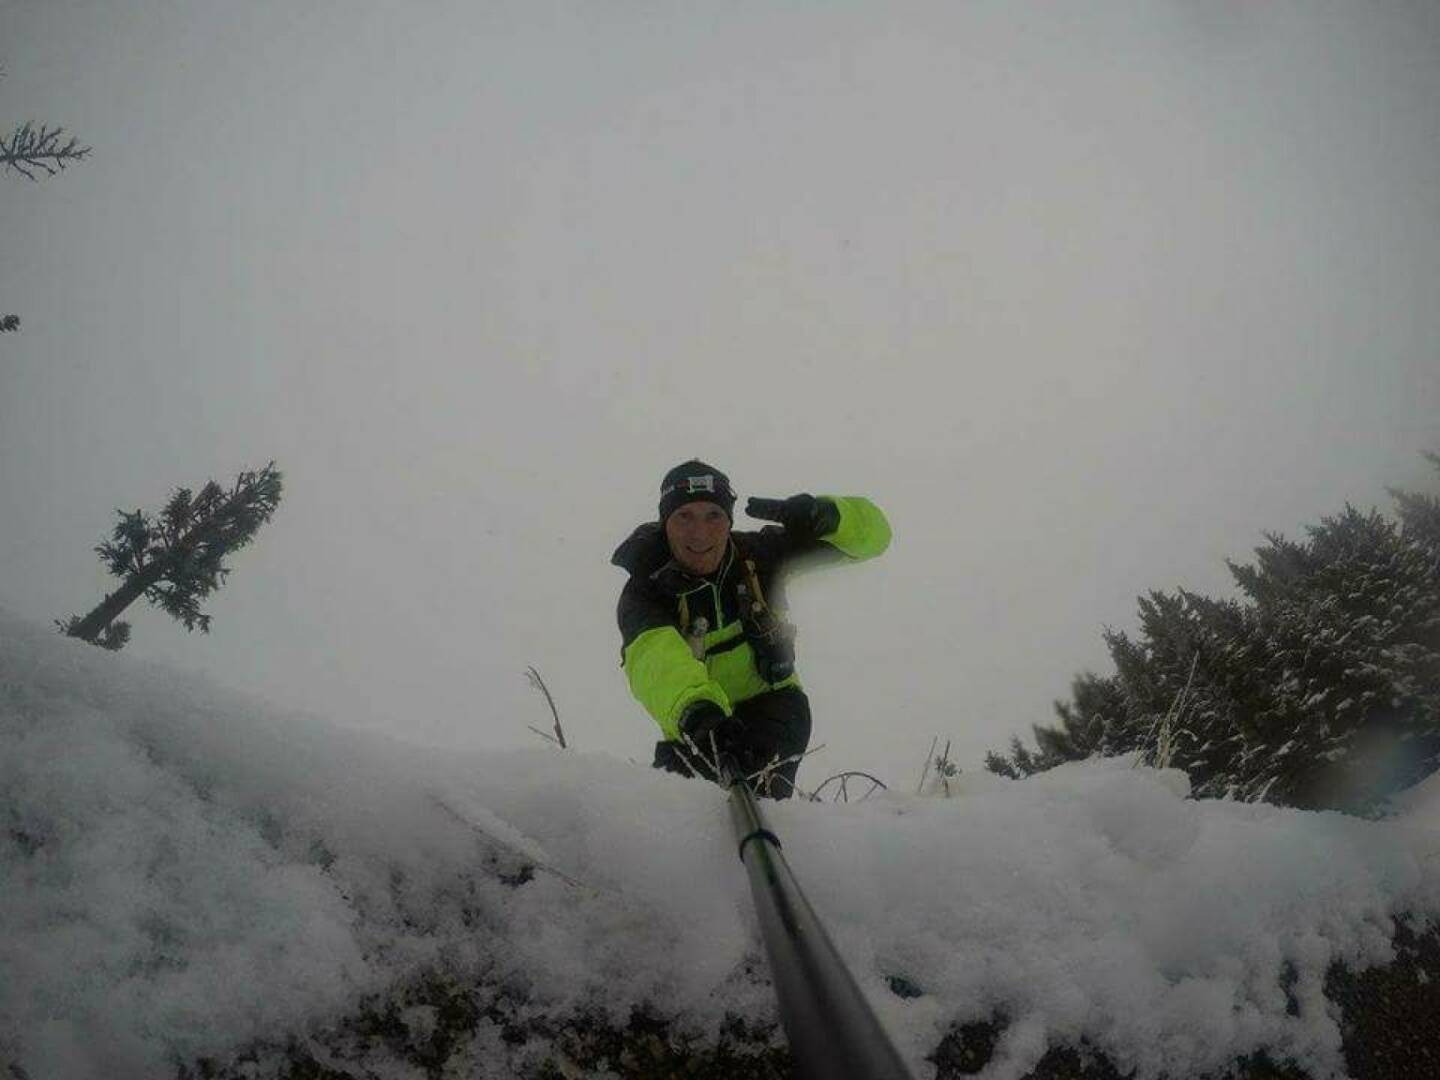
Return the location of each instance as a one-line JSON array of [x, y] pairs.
[[695, 481]]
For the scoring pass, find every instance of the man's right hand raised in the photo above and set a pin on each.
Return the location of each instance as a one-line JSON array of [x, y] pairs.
[[804, 515]]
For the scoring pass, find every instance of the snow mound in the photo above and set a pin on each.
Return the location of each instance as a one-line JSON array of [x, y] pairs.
[[188, 870]]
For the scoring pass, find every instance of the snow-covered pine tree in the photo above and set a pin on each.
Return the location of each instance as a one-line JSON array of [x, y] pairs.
[[1094, 699], [1095, 704], [1177, 711], [1344, 645], [1420, 514], [1319, 688]]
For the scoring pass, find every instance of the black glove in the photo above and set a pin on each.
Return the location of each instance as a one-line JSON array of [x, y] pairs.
[[668, 757], [706, 720], [803, 515]]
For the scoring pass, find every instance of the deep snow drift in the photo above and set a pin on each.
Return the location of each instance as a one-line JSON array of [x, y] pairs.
[[185, 870]]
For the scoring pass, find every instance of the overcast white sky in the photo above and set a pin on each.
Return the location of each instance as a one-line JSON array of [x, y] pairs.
[[1084, 296]]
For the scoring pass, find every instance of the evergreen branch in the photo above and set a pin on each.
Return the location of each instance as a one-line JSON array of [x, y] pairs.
[[115, 636], [39, 149], [127, 550], [945, 768]]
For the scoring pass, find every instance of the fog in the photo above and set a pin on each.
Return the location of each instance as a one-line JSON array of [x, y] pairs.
[[1085, 300]]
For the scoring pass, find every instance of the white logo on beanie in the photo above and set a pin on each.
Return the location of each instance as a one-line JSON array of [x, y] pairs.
[[693, 484]]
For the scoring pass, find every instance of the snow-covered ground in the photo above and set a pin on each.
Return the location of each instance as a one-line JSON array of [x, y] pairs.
[[184, 869]]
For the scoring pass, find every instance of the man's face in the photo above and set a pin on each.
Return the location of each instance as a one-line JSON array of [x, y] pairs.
[[699, 533]]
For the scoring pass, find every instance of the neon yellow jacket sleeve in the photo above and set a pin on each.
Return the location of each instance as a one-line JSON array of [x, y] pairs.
[[666, 678], [863, 532]]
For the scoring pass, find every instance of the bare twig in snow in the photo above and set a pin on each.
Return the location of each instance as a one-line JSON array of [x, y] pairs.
[[526, 858], [1168, 735], [929, 755], [539, 684]]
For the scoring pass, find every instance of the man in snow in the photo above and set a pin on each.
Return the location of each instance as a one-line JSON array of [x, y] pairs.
[[705, 645]]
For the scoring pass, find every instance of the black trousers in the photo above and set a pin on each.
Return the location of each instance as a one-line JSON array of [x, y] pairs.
[[775, 724]]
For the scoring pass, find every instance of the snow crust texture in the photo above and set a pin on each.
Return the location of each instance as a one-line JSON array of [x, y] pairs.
[[187, 871]]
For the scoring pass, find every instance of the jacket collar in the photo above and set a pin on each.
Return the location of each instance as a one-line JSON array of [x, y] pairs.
[[646, 554], [643, 551]]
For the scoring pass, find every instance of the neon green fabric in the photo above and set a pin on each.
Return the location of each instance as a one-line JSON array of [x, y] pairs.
[[724, 634], [666, 678], [863, 532], [735, 671]]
